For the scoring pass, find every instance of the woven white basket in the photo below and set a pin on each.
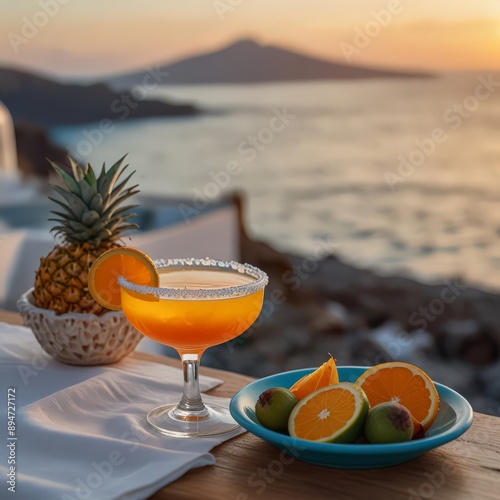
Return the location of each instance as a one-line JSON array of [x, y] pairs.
[[80, 339]]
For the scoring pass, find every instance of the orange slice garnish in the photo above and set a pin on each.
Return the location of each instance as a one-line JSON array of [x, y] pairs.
[[132, 264]]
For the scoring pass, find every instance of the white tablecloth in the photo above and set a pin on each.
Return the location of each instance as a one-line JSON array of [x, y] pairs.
[[80, 431]]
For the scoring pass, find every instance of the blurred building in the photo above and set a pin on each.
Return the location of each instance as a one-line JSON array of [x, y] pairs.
[[8, 155]]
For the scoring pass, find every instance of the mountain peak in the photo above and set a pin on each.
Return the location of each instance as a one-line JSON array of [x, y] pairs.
[[248, 61], [244, 43]]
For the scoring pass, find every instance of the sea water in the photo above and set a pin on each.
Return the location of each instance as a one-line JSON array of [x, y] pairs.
[[396, 175]]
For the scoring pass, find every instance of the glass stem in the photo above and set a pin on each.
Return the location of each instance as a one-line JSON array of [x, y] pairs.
[[191, 401]]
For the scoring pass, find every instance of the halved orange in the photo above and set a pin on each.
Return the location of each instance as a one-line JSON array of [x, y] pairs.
[[324, 376], [333, 414], [405, 384], [130, 263]]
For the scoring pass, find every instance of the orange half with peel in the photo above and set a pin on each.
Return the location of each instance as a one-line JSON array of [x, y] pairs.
[[324, 376], [130, 263], [332, 414], [405, 384]]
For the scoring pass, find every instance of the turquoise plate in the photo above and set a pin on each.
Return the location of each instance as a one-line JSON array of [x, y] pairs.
[[454, 418]]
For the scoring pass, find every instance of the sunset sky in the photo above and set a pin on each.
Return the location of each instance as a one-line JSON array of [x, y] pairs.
[[91, 38]]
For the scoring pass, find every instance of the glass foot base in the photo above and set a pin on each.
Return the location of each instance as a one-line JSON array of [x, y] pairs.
[[214, 421]]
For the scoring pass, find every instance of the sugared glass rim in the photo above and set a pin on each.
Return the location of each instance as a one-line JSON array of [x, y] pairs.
[[261, 280]]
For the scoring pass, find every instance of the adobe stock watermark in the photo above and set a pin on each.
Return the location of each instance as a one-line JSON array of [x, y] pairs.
[[254, 144], [425, 315], [436, 479], [419, 319], [121, 108], [86, 486], [294, 277], [30, 27], [433, 481], [454, 117], [363, 36], [38, 363], [263, 476], [223, 7], [249, 148]]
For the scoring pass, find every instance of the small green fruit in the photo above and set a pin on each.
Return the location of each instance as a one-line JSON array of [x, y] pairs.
[[274, 407], [388, 422]]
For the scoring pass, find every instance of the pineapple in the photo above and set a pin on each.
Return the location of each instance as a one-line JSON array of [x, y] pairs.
[[93, 220]]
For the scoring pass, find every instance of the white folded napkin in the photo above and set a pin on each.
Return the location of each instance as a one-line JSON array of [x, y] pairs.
[[87, 437]]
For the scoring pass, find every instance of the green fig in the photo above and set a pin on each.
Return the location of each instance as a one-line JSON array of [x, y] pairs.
[[388, 422], [274, 407]]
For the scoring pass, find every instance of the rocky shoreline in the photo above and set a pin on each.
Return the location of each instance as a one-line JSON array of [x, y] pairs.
[[316, 306]]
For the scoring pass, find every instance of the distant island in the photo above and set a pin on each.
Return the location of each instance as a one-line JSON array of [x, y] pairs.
[[247, 61], [44, 102], [37, 100]]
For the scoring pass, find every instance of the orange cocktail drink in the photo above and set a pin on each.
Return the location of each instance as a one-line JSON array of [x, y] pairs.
[[191, 324], [199, 303]]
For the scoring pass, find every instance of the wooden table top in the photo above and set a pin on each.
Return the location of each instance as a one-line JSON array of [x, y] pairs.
[[249, 468]]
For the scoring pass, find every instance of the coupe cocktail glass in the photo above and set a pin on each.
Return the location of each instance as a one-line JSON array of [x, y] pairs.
[[199, 303]]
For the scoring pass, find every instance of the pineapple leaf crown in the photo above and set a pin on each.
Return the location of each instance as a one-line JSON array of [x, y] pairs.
[[93, 210]]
